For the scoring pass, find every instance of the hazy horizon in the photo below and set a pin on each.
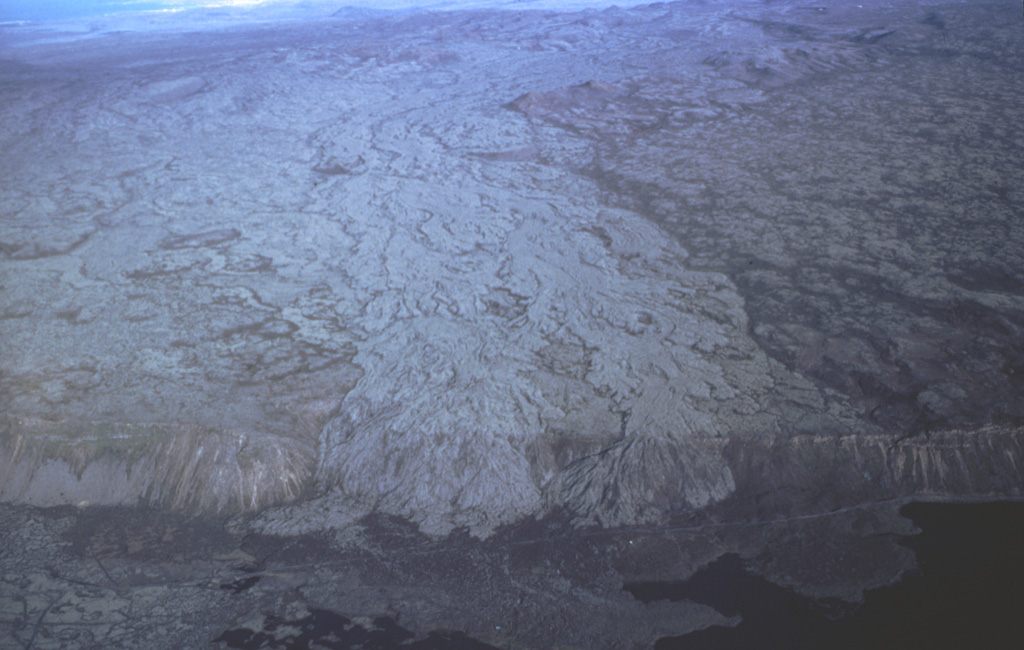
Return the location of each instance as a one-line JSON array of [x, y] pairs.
[[56, 10]]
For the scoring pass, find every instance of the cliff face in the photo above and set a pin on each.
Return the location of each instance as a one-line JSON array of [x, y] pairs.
[[635, 480], [762, 263], [178, 466], [820, 474]]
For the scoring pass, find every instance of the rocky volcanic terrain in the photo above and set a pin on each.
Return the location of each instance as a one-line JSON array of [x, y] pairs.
[[390, 322]]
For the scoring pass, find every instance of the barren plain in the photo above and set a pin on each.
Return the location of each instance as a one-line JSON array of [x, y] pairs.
[[463, 319]]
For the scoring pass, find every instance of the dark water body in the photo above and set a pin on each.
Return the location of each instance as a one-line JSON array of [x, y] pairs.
[[968, 593]]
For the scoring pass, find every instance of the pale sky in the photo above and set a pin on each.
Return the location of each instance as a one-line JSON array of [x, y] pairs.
[[37, 10]]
